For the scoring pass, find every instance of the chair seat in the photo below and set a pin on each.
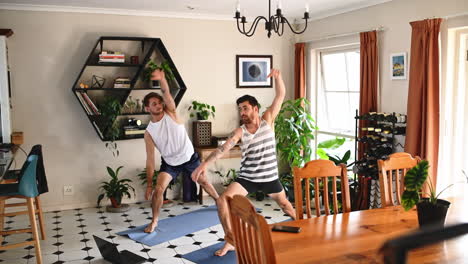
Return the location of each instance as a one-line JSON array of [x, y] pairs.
[[9, 189]]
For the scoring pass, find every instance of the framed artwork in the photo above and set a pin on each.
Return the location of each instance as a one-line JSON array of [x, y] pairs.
[[399, 66], [252, 71]]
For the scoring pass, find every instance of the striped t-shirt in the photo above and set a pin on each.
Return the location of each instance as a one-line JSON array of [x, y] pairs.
[[258, 163]]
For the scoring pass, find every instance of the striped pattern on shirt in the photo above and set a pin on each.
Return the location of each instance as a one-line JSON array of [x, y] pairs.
[[258, 163]]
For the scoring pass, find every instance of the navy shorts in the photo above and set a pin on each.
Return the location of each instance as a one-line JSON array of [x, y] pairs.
[[266, 187], [187, 167]]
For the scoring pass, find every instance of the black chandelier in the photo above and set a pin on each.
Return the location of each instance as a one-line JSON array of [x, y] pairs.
[[274, 23]]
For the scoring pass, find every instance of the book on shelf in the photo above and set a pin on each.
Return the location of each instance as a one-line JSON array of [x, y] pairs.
[[83, 103], [121, 82], [90, 103], [142, 127], [112, 60], [134, 132], [97, 129]]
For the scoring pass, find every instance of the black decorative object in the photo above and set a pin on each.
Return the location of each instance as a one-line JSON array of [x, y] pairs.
[[98, 82], [273, 23]]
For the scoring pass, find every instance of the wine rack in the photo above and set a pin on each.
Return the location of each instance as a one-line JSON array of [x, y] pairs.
[[378, 140]]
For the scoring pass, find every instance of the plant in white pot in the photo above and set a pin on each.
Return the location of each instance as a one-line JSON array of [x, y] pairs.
[[431, 210]]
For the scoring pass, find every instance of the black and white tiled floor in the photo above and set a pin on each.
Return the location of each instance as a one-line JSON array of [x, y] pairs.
[[69, 234]]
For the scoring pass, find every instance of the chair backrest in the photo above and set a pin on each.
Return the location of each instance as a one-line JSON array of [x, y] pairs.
[[42, 186], [251, 233], [27, 184], [394, 170], [322, 172]]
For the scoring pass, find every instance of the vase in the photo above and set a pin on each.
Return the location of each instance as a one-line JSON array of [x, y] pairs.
[[432, 214]]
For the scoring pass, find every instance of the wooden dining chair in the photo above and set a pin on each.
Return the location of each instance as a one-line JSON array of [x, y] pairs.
[[12, 176], [321, 171], [391, 174], [25, 188], [251, 233]]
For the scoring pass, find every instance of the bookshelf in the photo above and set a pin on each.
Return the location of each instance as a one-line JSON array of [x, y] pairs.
[[92, 96]]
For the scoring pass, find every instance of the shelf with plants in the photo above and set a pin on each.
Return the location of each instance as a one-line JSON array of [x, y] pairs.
[[94, 86]]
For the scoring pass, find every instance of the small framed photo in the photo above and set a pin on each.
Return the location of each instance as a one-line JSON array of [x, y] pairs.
[[399, 66], [252, 71]]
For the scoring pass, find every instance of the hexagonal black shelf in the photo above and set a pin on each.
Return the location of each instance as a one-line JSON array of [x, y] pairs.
[[137, 52]]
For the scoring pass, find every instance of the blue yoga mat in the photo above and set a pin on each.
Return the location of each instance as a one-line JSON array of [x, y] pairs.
[[175, 227], [205, 255]]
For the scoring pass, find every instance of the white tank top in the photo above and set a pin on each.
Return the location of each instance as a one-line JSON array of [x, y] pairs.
[[171, 140]]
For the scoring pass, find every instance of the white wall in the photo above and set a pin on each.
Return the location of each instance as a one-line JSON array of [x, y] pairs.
[[394, 16], [47, 52]]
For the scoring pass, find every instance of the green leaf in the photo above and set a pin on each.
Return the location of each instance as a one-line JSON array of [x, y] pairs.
[[322, 154], [416, 176], [409, 199], [331, 143]]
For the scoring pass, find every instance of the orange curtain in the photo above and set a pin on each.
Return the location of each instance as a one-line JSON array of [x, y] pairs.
[[299, 71], [422, 131], [368, 79]]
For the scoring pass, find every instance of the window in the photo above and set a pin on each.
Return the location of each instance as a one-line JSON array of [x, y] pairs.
[[337, 96]]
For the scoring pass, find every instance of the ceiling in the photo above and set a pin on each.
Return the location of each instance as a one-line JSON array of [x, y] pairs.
[[203, 9]]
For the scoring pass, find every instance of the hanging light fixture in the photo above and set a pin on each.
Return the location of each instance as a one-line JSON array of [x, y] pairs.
[[273, 23]]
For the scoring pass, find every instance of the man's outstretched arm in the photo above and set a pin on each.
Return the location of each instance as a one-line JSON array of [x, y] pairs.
[[280, 93], [218, 153], [159, 75]]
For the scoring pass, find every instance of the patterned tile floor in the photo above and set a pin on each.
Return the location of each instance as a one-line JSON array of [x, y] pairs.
[[69, 234]]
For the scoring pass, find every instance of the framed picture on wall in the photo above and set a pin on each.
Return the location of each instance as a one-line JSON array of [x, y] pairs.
[[399, 66], [252, 71]]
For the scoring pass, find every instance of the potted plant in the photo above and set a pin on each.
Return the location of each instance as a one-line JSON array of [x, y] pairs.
[[201, 110], [151, 67], [228, 177], [115, 189], [431, 210], [110, 109], [294, 129]]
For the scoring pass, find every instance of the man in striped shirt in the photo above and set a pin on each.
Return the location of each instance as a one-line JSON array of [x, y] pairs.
[[259, 168]]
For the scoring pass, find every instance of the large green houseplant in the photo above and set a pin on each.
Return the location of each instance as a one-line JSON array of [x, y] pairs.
[[115, 188], [294, 130], [431, 210]]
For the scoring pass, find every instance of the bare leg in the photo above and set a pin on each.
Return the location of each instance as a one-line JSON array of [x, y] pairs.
[[283, 202], [156, 202], [223, 212], [207, 186]]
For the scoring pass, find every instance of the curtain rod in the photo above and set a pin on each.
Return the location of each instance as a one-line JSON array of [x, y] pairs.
[[455, 15], [380, 28]]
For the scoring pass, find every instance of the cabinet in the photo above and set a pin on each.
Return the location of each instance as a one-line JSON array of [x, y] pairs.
[[94, 86]]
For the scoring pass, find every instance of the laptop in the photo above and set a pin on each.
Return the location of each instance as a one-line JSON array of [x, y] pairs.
[[110, 253]]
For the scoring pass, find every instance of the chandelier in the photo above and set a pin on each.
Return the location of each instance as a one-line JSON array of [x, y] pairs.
[[273, 23]]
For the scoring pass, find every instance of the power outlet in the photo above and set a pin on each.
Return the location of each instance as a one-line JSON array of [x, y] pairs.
[[68, 190]]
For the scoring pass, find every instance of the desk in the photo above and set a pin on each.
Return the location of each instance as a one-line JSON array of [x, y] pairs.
[[355, 237], [204, 152], [6, 159]]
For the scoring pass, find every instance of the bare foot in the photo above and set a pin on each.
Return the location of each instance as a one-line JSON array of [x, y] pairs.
[[150, 228], [227, 247]]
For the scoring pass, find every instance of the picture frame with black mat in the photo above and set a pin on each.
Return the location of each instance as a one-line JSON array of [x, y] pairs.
[[252, 71]]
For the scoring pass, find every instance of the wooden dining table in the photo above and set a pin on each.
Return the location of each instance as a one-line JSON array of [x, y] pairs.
[[356, 237]]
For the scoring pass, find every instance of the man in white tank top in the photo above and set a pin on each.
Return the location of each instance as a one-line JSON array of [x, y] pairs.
[[167, 133], [259, 169]]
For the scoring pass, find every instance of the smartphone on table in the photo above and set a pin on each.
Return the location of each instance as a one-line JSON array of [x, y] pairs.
[[289, 229]]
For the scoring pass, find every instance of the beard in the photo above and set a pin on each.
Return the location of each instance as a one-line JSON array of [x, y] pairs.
[[157, 112], [246, 119]]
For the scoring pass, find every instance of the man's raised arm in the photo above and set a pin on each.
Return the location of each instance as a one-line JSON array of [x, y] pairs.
[[218, 153], [280, 93], [158, 75]]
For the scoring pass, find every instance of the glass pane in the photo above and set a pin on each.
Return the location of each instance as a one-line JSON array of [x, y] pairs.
[[353, 67], [336, 114], [340, 152], [334, 72]]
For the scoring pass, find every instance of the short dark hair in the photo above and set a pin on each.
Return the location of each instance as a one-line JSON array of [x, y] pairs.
[[151, 95], [248, 98]]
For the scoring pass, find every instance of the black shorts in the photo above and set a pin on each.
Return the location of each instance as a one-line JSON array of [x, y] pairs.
[[187, 167], [266, 187]]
